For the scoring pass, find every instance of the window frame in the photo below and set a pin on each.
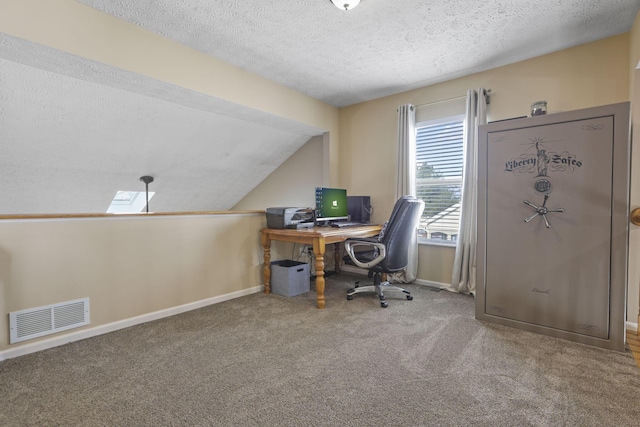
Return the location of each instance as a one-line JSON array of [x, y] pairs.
[[457, 180]]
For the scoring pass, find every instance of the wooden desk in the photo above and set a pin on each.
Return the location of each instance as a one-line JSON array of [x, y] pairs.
[[318, 237]]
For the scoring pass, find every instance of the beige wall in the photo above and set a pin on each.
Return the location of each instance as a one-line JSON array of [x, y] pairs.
[[634, 232], [128, 267], [293, 183], [634, 52], [585, 76]]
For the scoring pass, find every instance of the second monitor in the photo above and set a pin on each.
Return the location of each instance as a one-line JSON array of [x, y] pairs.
[[359, 208]]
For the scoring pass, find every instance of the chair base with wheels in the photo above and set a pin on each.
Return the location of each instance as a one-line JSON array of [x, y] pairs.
[[379, 287]]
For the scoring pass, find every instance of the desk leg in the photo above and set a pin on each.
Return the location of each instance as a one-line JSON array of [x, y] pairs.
[[266, 268], [336, 257], [318, 250]]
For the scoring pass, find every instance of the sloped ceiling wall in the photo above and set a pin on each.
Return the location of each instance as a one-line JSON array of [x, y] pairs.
[[75, 131]]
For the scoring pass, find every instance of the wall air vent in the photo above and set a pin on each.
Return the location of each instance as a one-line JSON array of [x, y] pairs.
[[40, 321]]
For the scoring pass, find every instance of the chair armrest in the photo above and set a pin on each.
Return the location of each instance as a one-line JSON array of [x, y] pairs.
[[350, 245], [365, 239]]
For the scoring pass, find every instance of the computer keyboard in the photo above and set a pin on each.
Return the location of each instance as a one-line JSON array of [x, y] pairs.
[[343, 224]]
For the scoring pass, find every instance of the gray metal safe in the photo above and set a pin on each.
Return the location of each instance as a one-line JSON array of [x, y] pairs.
[[553, 203]]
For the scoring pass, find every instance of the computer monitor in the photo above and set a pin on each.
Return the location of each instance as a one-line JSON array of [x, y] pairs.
[[331, 204]]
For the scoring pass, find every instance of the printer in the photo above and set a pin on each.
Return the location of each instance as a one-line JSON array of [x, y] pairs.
[[290, 217]]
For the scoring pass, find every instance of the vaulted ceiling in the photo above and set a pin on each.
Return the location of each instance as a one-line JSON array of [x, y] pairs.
[[74, 131]]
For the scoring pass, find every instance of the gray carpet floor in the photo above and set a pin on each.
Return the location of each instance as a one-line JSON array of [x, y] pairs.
[[268, 360]]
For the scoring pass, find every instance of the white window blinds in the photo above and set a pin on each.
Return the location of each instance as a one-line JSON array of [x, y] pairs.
[[439, 163]]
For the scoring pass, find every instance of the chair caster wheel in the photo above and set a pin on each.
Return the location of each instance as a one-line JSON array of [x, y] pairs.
[[384, 304], [349, 297], [410, 298]]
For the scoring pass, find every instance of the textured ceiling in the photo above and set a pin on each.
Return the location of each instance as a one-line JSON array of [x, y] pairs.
[[379, 48], [75, 131]]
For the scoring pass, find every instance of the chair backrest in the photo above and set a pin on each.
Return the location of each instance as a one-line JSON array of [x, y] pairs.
[[399, 232]]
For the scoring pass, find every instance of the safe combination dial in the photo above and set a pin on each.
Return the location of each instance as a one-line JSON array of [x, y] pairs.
[[542, 210]]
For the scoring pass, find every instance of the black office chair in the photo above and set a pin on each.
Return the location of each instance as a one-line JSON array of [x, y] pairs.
[[390, 251]]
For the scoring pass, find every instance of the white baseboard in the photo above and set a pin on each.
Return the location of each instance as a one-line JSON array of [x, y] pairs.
[[432, 284], [632, 326], [121, 324]]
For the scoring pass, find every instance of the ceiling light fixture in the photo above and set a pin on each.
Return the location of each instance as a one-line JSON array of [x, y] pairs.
[[147, 179], [345, 4]]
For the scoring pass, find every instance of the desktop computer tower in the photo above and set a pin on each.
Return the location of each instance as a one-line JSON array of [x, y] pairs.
[[359, 209]]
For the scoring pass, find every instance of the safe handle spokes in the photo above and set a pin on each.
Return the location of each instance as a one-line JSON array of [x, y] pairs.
[[542, 210]]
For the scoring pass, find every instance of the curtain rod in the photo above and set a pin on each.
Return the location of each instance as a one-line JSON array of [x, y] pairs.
[[486, 93], [442, 100]]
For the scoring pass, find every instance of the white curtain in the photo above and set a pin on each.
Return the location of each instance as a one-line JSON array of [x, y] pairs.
[[463, 278], [406, 182]]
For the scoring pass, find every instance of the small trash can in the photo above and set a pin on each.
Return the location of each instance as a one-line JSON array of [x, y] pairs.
[[289, 278]]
